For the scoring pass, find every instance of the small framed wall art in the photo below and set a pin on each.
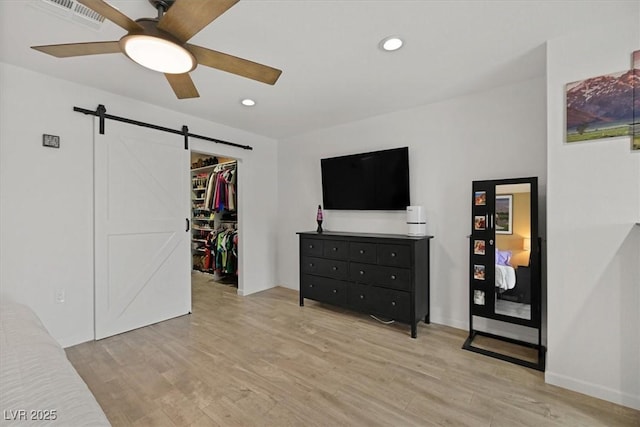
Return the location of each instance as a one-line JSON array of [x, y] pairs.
[[51, 141], [504, 214]]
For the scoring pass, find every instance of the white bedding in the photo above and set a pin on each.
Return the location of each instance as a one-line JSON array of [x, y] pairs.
[[38, 384], [505, 277]]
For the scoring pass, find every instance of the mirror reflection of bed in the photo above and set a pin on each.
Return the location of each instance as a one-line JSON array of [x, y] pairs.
[[513, 250]]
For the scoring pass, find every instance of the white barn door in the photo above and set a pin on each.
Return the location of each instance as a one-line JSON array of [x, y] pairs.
[[142, 248]]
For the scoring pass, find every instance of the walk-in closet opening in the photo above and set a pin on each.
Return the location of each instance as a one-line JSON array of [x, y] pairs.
[[214, 220]]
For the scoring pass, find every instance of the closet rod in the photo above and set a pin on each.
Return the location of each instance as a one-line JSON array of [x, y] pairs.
[[101, 112], [226, 165]]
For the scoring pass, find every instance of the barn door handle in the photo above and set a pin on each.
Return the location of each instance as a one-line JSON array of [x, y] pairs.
[[188, 225]]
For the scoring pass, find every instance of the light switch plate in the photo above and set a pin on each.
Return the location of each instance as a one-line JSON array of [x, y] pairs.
[[52, 141]]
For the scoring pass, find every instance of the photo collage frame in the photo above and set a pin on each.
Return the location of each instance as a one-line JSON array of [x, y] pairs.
[[479, 248]]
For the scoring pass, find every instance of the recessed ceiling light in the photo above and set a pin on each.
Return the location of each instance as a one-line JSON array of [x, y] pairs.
[[391, 43], [248, 102]]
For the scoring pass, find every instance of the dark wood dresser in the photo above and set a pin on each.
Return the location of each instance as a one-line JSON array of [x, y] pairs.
[[386, 275]]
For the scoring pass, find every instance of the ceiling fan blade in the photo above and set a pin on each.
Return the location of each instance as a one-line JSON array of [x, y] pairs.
[[79, 49], [112, 14], [233, 64], [182, 85], [185, 18]]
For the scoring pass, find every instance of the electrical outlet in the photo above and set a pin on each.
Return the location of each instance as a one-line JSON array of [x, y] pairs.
[[60, 296]]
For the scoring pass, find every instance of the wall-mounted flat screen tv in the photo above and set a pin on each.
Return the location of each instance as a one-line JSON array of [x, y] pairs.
[[377, 180]]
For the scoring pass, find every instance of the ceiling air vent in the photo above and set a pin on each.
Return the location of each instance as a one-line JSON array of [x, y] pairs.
[[72, 11], [87, 16], [67, 4]]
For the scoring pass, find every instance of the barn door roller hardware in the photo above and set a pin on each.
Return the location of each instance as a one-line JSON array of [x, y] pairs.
[[101, 112]]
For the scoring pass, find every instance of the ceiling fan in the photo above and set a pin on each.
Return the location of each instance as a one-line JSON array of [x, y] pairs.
[[161, 44]]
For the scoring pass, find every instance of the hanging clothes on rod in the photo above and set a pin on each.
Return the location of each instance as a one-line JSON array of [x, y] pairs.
[[222, 251], [227, 252], [221, 188]]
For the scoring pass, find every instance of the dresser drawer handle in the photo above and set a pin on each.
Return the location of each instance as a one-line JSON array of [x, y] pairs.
[[335, 291], [334, 268], [361, 272], [310, 264], [393, 277], [361, 251], [311, 285], [310, 246], [361, 296], [393, 303], [393, 254], [334, 249]]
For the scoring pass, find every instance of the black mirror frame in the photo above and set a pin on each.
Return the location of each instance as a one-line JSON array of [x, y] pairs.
[[488, 285]]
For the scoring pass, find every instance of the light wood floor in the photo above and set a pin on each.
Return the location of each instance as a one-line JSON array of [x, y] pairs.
[[262, 360]]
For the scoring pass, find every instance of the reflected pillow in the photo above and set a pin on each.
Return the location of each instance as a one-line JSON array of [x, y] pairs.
[[503, 257]]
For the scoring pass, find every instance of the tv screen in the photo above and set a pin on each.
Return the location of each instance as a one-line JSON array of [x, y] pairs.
[[378, 180]]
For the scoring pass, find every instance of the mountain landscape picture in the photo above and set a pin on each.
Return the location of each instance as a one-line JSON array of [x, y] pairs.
[[601, 107], [635, 144]]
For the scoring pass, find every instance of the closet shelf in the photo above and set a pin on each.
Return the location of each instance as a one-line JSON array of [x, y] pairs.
[[202, 219], [199, 240], [207, 168], [204, 168], [202, 228], [198, 198]]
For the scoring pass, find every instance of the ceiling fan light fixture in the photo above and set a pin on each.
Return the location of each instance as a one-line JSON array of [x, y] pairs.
[[158, 54], [391, 43], [248, 102]]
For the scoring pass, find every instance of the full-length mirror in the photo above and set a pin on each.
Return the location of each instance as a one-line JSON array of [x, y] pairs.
[[513, 250], [504, 261]]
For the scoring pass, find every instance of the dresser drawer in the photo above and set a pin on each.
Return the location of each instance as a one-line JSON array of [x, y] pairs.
[[393, 277], [311, 247], [391, 304], [359, 297], [388, 277], [336, 249], [325, 267], [324, 289], [394, 255], [363, 273], [363, 252]]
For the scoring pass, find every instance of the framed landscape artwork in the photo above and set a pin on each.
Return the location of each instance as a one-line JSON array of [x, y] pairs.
[[599, 107], [504, 214], [635, 127], [605, 106]]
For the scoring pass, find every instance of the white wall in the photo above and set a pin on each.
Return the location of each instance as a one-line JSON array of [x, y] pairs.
[[593, 244], [46, 195], [489, 135]]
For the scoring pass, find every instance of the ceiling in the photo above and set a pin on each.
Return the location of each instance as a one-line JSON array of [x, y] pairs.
[[333, 70]]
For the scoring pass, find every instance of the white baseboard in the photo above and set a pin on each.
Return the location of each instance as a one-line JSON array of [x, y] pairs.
[[74, 340], [448, 321], [244, 293], [594, 390], [284, 285]]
